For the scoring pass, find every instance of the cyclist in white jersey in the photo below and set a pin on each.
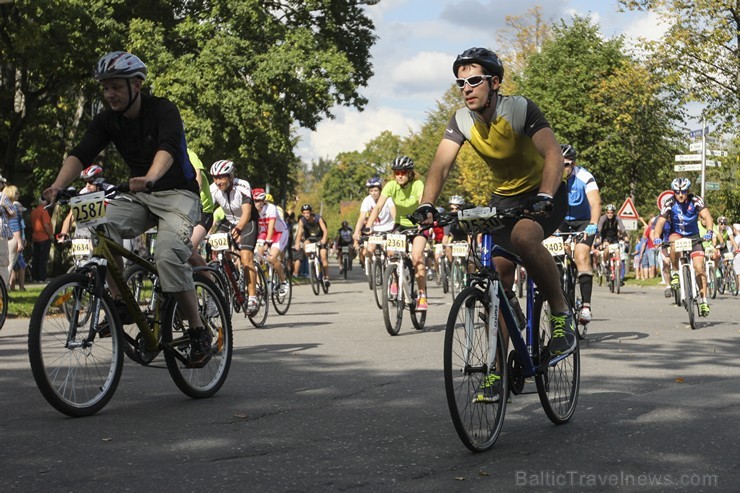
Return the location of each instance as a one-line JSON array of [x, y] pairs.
[[274, 232], [234, 195], [385, 221]]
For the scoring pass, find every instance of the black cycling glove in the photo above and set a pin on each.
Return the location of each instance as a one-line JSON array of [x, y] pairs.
[[542, 205], [421, 214]]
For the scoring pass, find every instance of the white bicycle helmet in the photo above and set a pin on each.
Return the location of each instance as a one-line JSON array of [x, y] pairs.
[[610, 207], [119, 65], [457, 200], [222, 167], [681, 184]]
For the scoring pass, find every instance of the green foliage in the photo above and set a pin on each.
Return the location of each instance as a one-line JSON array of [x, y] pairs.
[[244, 73]]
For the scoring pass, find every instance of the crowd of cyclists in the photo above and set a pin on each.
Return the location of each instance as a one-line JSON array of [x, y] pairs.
[[530, 170]]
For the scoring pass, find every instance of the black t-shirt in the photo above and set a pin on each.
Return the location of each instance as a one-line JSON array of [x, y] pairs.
[[158, 127]]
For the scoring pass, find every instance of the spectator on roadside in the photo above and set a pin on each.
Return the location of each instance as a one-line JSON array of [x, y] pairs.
[[41, 236], [18, 269], [15, 242], [6, 212]]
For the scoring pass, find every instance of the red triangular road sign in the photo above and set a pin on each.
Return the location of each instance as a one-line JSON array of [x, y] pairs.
[[628, 211]]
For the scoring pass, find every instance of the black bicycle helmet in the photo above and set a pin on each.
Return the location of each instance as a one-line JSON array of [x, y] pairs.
[[402, 162], [569, 152], [306, 207], [483, 57]]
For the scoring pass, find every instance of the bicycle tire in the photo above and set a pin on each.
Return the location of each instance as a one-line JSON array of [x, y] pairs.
[[201, 382], [712, 282], [377, 275], [219, 277], [281, 302], [465, 366], [418, 318], [618, 278], [721, 284], [689, 300], [262, 291], [445, 275], [733, 284], [392, 306], [345, 265], [79, 380], [571, 279], [314, 277], [558, 383], [456, 284], [4, 300]]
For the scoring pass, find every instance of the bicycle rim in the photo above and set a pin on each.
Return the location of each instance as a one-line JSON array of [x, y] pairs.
[[378, 283], [392, 305], [314, 278], [281, 302], [79, 378], [207, 380], [689, 298], [466, 351], [558, 378], [712, 282], [259, 317]]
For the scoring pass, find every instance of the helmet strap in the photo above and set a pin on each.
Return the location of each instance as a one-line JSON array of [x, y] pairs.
[[131, 100]]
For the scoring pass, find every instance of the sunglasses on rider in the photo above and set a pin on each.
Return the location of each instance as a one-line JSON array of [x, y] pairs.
[[681, 192], [401, 172], [472, 81]]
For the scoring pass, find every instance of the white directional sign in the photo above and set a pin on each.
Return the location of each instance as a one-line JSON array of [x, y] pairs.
[[687, 167], [688, 157], [695, 147], [712, 152], [712, 185], [712, 163]]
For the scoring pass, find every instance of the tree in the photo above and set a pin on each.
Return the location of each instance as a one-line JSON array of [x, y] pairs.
[[702, 48], [618, 113], [243, 73]]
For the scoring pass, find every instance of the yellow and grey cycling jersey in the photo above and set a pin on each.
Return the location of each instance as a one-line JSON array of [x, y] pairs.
[[505, 144]]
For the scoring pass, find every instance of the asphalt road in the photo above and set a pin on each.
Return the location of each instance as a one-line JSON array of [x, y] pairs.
[[323, 399]]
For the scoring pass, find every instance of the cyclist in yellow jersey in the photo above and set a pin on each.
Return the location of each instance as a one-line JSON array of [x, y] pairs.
[[406, 191], [207, 207], [512, 136]]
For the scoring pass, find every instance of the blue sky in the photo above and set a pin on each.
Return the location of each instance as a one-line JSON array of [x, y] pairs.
[[419, 39]]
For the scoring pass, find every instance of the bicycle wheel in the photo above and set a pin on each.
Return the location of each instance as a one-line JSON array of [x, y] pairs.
[[392, 303], [281, 302], [345, 264], [378, 282], [712, 282], [720, 282], [732, 282], [444, 274], [219, 277], [456, 283], [418, 318], [76, 370], [259, 317], [144, 286], [689, 301], [4, 302], [314, 277], [558, 378], [466, 367], [207, 380], [618, 277]]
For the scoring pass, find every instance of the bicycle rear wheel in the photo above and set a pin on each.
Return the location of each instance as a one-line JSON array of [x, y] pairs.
[[558, 378], [4, 302], [732, 284], [392, 303], [466, 356], [259, 317], [208, 379], [76, 370]]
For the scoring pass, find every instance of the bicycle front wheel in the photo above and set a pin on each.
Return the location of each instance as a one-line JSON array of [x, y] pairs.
[[281, 302], [314, 276], [207, 379], [4, 302], [377, 275], [558, 378], [712, 282], [392, 300], [76, 369], [466, 367], [690, 302], [259, 317]]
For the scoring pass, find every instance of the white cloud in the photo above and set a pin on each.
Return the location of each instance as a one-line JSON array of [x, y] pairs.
[[351, 130]]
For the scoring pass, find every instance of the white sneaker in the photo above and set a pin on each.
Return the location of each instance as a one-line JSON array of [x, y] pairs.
[[585, 316], [283, 289], [252, 305]]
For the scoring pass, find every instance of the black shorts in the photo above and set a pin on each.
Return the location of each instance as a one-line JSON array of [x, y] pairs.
[[549, 224], [248, 238], [206, 220]]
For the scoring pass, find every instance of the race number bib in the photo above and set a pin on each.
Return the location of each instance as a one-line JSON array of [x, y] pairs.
[[310, 247], [554, 245], [219, 241], [81, 247], [460, 249], [682, 245], [395, 243], [439, 248], [375, 240], [88, 209]]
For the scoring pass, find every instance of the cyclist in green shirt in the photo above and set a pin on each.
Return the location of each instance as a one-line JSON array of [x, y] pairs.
[[207, 207], [406, 191]]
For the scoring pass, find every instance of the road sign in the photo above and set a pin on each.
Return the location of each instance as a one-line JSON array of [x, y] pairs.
[[712, 185], [687, 167], [688, 157], [695, 147], [628, 211], [698, 133], [630, 224], [713, 152], [712, 163], [663, 197]]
